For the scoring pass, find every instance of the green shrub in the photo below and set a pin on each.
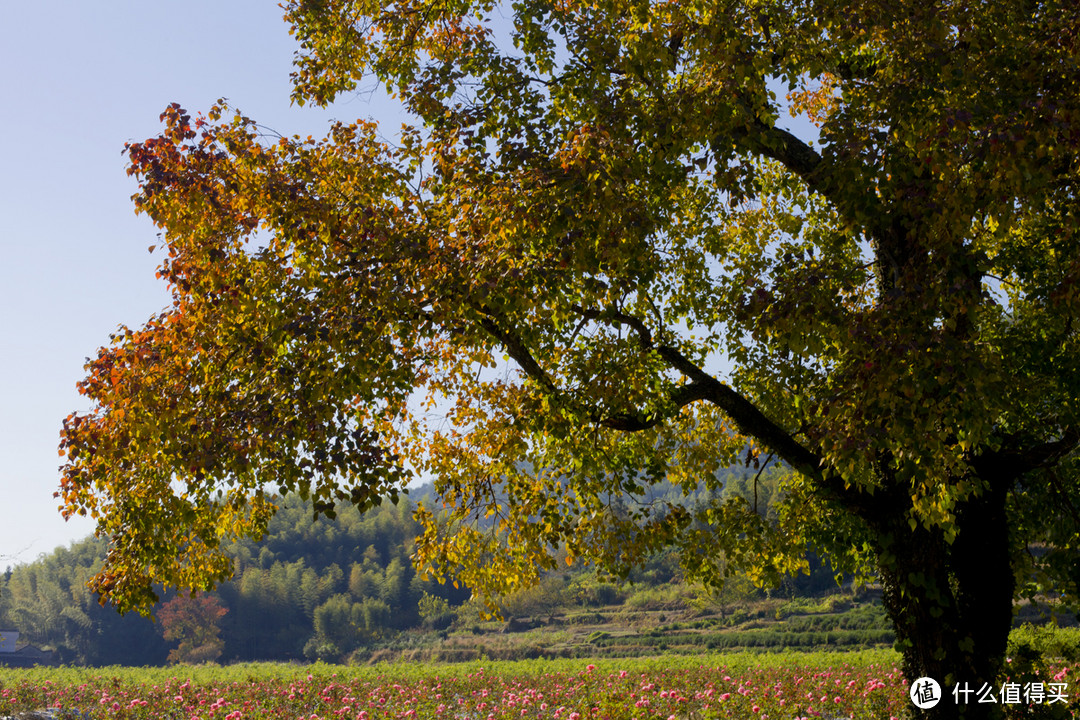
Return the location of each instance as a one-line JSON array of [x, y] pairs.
[[1047, 641]]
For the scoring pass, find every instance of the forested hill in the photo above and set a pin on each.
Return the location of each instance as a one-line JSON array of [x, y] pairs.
[[310, 590]]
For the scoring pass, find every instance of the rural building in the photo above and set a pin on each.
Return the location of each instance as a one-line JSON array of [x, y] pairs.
[[13, 654]]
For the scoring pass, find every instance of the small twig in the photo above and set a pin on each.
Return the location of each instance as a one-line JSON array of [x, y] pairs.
[[758, 475]]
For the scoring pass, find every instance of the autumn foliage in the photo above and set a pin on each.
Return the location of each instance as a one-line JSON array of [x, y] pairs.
[[194, 622]]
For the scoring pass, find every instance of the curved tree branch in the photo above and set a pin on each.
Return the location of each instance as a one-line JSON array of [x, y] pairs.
[[702, 386], [1014, 463], [747, 417]]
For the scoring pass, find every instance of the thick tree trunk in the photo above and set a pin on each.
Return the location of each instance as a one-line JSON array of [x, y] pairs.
[[951, 604]]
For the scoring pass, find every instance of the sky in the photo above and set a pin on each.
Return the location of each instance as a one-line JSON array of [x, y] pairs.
[[77, 81]]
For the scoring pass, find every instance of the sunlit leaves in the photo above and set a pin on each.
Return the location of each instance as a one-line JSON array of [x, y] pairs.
[[259, 372]]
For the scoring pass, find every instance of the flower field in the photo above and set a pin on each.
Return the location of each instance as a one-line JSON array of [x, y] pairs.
[[859, 685]]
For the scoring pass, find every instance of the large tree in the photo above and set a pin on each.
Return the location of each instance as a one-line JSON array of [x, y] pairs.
[[599, 261]]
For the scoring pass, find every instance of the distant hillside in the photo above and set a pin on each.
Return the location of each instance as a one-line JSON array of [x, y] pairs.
[[309, 590], [335, 589]]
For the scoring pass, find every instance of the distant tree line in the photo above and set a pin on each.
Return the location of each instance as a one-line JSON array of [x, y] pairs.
[[310, 590]]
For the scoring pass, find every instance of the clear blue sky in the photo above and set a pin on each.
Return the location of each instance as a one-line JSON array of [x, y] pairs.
[[77, 81]]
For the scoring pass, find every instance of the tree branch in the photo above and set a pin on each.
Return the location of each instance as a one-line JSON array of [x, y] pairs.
[[747, 417], [859, 204], [780, 145], [517, 349], [749, 420], [1014, 463]]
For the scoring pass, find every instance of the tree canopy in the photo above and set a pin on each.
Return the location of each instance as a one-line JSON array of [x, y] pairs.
[[599, 260]]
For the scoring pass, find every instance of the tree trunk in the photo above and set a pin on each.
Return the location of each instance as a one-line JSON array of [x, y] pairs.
[[951, 604]]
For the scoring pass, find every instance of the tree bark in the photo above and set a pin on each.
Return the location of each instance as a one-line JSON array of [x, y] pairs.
[[951, 603]]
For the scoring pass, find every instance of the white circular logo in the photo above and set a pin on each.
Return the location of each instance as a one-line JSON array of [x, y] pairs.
[[925, 693]]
